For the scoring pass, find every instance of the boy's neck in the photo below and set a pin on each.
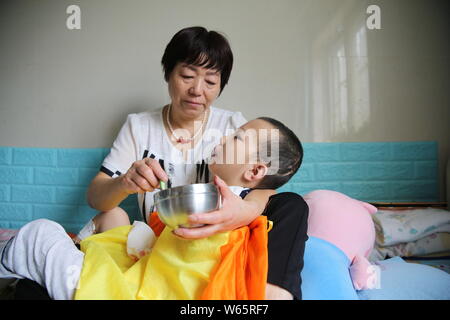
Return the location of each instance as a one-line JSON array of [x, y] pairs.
[[239, 183]]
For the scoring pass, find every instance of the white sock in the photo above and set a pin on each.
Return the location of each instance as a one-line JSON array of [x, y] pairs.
[[141, 240], [87, 231]]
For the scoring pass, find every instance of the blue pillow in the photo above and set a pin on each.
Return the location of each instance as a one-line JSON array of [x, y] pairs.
[[401, 280], [325, 274]]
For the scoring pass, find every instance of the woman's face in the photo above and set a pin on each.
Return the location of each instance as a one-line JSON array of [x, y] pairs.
[[193, 89]]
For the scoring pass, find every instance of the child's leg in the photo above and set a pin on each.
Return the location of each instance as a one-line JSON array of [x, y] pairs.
[[111, 219], [286, 244], [42, 251], [102, 222]]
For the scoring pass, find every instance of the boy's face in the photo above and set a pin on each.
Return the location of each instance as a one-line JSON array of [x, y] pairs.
[[235, 158]]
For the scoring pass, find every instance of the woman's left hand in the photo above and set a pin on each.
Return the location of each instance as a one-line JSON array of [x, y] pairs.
[[235, 213]]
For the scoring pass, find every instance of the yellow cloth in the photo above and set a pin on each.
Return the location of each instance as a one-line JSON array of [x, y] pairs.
[[175, 269]]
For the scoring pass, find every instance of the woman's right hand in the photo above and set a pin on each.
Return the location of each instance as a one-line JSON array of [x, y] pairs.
[[143, 176]]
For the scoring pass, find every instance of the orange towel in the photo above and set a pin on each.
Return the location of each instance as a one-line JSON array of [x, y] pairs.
[[241, 273]]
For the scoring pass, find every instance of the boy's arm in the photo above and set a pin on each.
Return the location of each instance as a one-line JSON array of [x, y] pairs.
[[235, 213]]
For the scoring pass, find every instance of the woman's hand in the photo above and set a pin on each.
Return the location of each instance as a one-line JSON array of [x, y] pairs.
[[235, 213], [143, 176], [105, 193]]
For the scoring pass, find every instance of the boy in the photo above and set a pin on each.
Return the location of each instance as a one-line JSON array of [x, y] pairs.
[[43, 252]]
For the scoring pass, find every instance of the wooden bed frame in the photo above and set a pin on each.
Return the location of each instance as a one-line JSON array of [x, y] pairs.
[[409, 205]]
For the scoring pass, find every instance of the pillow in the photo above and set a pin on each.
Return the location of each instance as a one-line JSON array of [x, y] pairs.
[[409, 281], [400, 226], [343, 221], [325, 274], [436, 245], [364, 275]]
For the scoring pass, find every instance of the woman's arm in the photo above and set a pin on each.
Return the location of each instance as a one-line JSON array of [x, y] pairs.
[[235, 213], [105, 193], [259, 198]]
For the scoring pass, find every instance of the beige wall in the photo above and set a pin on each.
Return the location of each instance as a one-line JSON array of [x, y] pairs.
[[310, 63]]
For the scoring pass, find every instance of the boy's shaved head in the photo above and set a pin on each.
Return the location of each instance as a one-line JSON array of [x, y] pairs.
[[262, 154], [283, 162]]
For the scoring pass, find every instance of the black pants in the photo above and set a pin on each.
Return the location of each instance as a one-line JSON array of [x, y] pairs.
[[286, 245]]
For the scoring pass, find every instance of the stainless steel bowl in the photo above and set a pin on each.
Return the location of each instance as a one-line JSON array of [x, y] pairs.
[[174, 205]]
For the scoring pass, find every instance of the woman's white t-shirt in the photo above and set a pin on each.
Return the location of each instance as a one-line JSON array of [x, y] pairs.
[[143, 135]]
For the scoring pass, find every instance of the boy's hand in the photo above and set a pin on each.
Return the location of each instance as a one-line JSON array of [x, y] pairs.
[[235, 213]]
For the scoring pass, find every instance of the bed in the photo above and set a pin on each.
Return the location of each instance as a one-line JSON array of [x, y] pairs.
[[415, 269], [417, 234], [431, 249], [51, 183]]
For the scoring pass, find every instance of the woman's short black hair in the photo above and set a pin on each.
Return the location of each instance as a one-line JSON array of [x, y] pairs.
[[290, 156], [199, 47]]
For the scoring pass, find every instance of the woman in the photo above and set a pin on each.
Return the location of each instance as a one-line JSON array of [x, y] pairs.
[[176, 139], [173, 143]]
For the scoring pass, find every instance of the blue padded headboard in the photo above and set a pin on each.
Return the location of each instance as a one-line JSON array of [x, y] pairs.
[[370, 171], [51, 183]]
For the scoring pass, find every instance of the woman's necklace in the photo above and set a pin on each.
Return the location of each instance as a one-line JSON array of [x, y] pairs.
[[181, 139]]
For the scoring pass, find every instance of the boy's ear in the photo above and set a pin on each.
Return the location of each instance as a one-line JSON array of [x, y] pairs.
[[256, 172]]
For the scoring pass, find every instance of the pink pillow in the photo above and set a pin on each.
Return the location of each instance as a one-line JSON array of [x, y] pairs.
[[364, 275], [341, 220]]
